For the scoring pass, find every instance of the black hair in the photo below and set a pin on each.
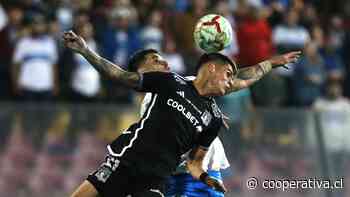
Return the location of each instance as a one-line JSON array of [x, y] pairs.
[[137, 58], [207, 57]]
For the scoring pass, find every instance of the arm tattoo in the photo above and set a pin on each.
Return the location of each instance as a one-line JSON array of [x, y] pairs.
[[111, 70], [248, 76], [255, 72]]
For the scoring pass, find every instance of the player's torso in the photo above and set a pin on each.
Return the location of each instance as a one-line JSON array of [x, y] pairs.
[[182, 115], [171, 124]]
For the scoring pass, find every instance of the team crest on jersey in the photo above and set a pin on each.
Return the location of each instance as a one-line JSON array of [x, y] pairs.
[[216, 110], [103, 173], [206, 118]]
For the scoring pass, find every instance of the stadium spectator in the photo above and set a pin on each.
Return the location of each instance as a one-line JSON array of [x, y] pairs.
[[334, 65], [152, 35], [309, 76], [336, 33], [254, 37], [334, 112], [9, 35], [121, 37], [182, 27], [310, 17], [222, 8], [170, 53], [85, 80], [36, 55], [290, 36]]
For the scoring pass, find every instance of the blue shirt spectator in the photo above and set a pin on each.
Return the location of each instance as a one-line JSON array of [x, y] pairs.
[[309, 76], [121, 38]]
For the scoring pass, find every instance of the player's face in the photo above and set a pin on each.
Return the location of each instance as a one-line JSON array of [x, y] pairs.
[[222, 79], [154, 62]]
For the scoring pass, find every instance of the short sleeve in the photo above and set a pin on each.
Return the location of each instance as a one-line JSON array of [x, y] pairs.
[[207, 136], [158, 82]]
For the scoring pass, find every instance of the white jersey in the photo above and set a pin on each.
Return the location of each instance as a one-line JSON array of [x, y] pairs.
[[215, 159]]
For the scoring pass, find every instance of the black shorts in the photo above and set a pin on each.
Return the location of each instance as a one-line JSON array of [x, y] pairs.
[[113, 179]]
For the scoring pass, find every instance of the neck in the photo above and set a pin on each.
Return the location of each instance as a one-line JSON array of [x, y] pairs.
[[200, 86]]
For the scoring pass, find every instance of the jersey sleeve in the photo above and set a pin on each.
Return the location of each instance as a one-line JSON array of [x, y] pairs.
[[158, 82], [207, 136]]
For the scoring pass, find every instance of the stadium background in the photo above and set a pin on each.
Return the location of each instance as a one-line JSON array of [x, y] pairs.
[[287, 126]]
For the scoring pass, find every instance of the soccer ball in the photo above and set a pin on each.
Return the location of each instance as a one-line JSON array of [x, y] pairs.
[[212, 33]]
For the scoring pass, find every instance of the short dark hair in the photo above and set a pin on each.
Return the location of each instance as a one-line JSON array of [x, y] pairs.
[[137, 58], [207, 57]]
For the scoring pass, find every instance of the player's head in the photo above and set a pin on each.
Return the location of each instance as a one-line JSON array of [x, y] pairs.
[[147, 60], [218, 71]]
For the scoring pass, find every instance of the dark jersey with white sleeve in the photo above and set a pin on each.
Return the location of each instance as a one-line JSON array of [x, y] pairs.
[[176, 120]]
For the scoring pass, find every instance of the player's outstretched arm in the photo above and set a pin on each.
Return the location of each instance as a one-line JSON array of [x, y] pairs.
[[249, 75], [102, 65], [194, 166]]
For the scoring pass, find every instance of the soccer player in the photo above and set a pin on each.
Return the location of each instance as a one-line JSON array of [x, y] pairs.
[[181, 183], [148, 151]]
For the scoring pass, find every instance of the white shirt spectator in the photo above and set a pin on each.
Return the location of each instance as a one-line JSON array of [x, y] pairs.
[[152, 38], [296, 36], [335, 120], [85, 79], [290, 38], [37, 57]]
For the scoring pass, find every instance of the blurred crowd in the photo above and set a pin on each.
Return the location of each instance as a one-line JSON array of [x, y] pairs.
[[34, 66], [65, 145]]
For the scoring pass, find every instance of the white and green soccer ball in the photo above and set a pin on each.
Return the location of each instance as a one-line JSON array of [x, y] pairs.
[[213, 33]]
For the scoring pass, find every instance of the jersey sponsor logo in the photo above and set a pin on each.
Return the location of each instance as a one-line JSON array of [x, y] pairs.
[[174, 104], [206, 118]]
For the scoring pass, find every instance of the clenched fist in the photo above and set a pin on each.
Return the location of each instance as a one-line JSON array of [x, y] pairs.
[[74, 42]]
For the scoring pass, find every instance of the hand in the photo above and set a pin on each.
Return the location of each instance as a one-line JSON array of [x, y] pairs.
[[212, 182], [74, 42], [286, 58], [215, 184]]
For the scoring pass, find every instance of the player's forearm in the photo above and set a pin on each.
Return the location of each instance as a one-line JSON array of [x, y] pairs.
[[111, 70], [248, 76], [255, 73]]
